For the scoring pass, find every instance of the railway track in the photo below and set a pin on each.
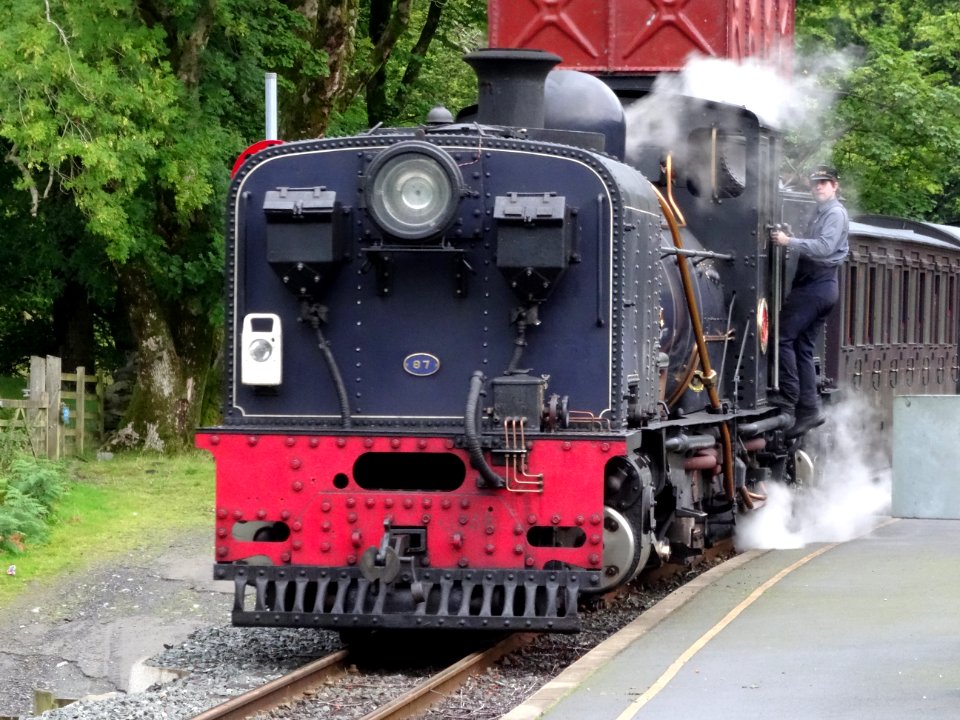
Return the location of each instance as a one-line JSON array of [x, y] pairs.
[[301, 684]]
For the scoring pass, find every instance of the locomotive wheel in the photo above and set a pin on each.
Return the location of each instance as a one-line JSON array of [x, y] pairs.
[[623, 552], [804, 471]]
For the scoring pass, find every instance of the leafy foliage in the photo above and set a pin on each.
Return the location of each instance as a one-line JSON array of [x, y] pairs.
[[896, 130], [29, 489]]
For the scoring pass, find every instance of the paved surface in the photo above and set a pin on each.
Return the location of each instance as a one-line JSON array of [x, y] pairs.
[[87, 634], [869, 628]]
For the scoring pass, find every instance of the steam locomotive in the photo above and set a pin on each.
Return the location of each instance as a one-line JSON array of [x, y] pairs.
[[479, 369]]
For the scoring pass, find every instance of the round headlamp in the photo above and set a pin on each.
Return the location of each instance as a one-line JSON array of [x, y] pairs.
[[260, 350], [413, 190]]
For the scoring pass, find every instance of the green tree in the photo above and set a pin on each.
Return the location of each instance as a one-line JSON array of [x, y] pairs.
[[896, 128]]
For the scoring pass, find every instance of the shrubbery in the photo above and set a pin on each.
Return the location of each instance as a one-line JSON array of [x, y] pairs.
[[29, 488]]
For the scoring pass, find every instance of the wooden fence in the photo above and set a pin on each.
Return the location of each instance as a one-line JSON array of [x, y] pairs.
[[61, 413]]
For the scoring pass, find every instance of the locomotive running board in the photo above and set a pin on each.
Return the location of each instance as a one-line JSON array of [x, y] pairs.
[[342, 599]]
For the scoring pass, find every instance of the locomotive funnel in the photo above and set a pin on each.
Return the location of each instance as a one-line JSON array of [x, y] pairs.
[[510, 85]]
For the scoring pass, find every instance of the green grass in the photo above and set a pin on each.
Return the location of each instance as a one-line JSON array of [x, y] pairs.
[[115, 506]]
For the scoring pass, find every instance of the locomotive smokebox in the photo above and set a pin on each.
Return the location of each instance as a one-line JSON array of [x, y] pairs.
[[510, 85]]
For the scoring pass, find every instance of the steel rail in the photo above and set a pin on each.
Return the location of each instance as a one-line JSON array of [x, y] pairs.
[[444, 683], [276, 692]]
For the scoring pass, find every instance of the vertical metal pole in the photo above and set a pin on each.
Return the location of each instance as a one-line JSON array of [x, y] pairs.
[[270, 82], [777, 303]]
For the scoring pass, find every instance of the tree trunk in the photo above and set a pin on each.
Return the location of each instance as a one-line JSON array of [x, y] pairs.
[[333, 25], [167, 398]]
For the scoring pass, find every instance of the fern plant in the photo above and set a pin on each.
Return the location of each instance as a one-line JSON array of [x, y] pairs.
[[29, 489]]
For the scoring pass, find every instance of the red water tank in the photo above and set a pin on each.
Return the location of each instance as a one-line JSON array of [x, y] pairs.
[[644, 36]]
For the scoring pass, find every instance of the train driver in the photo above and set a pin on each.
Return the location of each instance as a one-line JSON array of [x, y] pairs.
[[814, 292]]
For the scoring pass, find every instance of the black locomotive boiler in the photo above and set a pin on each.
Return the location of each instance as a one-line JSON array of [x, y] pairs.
[[480, 368]]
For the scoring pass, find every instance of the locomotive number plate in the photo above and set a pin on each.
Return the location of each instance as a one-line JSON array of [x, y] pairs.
[[421, 364]]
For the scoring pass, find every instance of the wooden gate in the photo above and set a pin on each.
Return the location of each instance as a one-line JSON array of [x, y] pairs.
[[60, 413]]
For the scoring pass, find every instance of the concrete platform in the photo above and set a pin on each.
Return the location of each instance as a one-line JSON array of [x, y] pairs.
[[868, 628]]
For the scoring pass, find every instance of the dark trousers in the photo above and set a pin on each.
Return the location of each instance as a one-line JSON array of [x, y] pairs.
[[803, 314]]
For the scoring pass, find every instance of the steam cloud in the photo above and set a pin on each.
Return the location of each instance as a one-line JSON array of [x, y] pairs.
[[845, 501], [795, 104]]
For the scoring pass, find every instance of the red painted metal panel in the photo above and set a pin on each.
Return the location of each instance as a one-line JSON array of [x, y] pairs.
[[293, 480], [644, 36]]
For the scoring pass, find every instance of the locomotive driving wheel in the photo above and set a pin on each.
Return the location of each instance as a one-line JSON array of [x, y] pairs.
[[622, 551]]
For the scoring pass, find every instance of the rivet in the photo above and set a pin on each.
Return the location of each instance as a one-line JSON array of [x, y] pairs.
[[445, 503], [462, 520], [388, 503], [237, 514], [605, 447], [518, 529], [325, 506], [531, 519], [449, 444], [428, 503], [314, 442], [341, 442], [214, 439], [489, 549], [595, 519], [297, 526], [490, 530], [325, 547], [555, 519], [425, 519], [595, 539], [408, 503], [351, 559], [222, 513], [594, 559], [369, 502], [465, 503], [296, 544], [222, 551], [463, 562], [422, 444], [261, 513], [252, 440], [567, 445], [326, 526], [518, 549], [291, 441], [351, 502], [368, 442], [284, 514], [222, 532], [580, 520], [297, 486], [285, 557], [529, 562], [395, 443], [351, 517]]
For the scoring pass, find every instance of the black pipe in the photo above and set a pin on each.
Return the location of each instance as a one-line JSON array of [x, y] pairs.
[[683, 443], [761, 426], [313, 313], [471, 429]]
